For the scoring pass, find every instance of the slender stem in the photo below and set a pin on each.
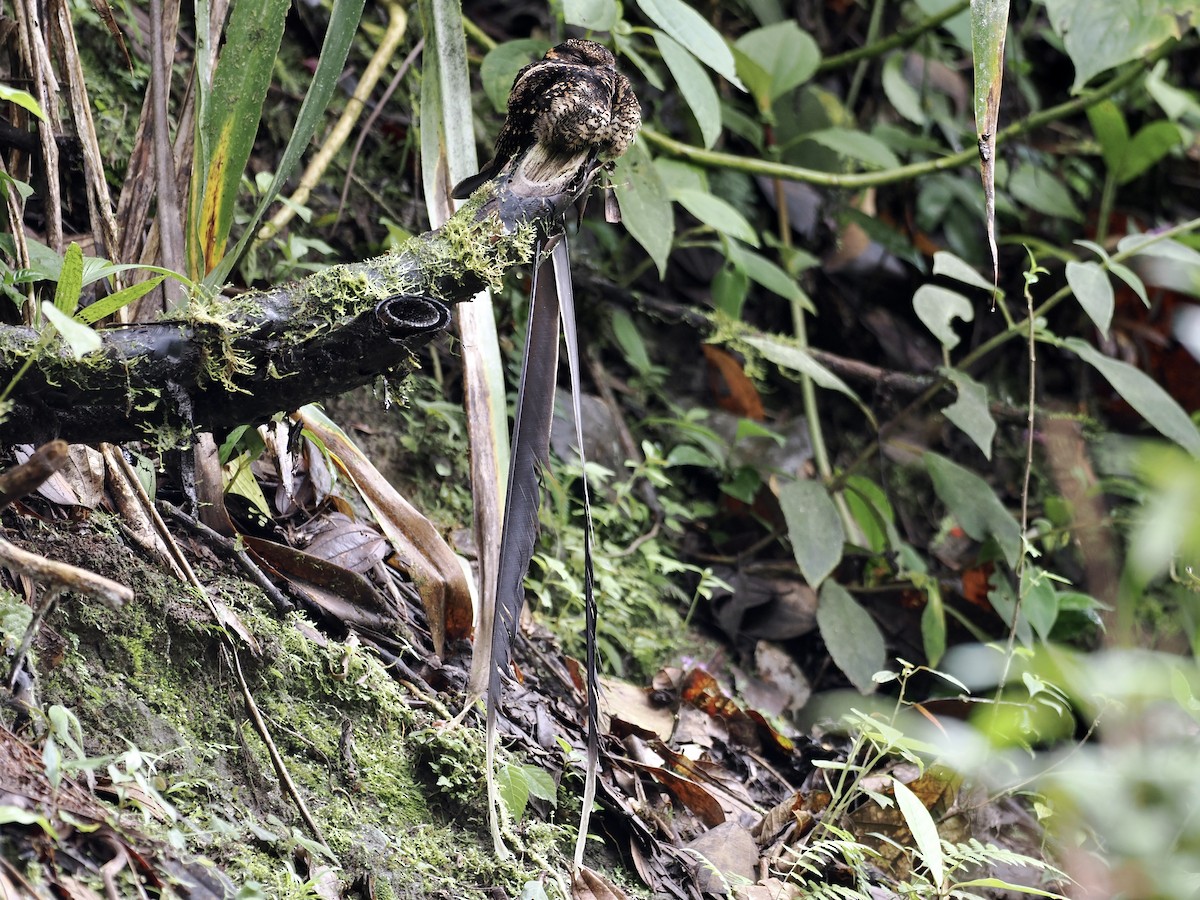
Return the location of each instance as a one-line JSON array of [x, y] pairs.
[[754, 166], [478, 35], [860, 71], [1107, 195], [899, 39]]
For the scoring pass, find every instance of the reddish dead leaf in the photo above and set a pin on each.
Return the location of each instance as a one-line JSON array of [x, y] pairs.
[[748, 727], [975, 585], [730, 387], [686, 792]]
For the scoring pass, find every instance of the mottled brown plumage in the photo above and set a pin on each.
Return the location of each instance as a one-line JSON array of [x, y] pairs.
[[570, 101]]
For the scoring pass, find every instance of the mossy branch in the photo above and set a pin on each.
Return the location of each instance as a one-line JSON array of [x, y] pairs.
[[220, 362]]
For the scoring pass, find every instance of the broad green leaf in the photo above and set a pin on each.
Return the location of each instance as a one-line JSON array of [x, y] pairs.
[[70, 281], [924, 831], [695, 86], [785, 53], [933, 625], [717, 214], [629, 50], [853, 639], [989, 27], [1101, 34], [1036, 188], [23, 99], [79, 337], [106, 306], [729, 289], [1132, 279], [239, 87], [970, 411], [499, 68], [937, 306], [513, 784], [1089, 282], [541, 784], [814, 528], [1141, 392], [339, 33], [1149, 245], [763, 272], [645, 208], [23, 188], [790, 356], [947, 264], [872, 512], [857, 145], [597, 15], [630, 340], [1039, 601], [692, 30], [240, 481], [1108, 124], [905, 98], [1148, 146], [975, 505]]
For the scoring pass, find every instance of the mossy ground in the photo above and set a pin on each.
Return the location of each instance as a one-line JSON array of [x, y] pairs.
[[356, 742]]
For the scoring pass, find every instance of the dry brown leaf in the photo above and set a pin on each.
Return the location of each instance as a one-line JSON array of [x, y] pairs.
[[589, 885]]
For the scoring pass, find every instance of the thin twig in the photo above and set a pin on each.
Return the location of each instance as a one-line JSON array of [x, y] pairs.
[[231, 659], [369, 124]]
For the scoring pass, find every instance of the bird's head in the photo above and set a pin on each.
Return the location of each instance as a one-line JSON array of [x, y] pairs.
[[587, 53]]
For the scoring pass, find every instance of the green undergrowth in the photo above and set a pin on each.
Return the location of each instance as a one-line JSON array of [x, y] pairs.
[[368, 760]]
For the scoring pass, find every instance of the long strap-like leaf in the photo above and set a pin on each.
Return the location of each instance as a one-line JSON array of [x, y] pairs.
[[566, 306], [529, 454]]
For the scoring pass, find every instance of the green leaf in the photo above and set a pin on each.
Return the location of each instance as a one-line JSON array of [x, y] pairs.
[[786, 54], [1141, 392], [92, 314], [789, 356], [975, 505], [857, 145], [1039, 601], [1089, 282], [853, 639], [499, 68], [1108, 124], [630, 340], [80, 338], [233, 112], [645, 208], [947, 264], [933, 625], [513, 785], [541, 784], [240, 481], [729, 289], [1149, 145], [1132, 279], [970, 411], [10, 815], [693, 82], [717, 214], [70, 281], [1101, 34], [924, 832], [937, 306], [814, 528], [763, 272], [1042, 192], [692, 30], [904, 98], [23, 99], [339, 33], [597, 15], [868, 504], [1003, 885]]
